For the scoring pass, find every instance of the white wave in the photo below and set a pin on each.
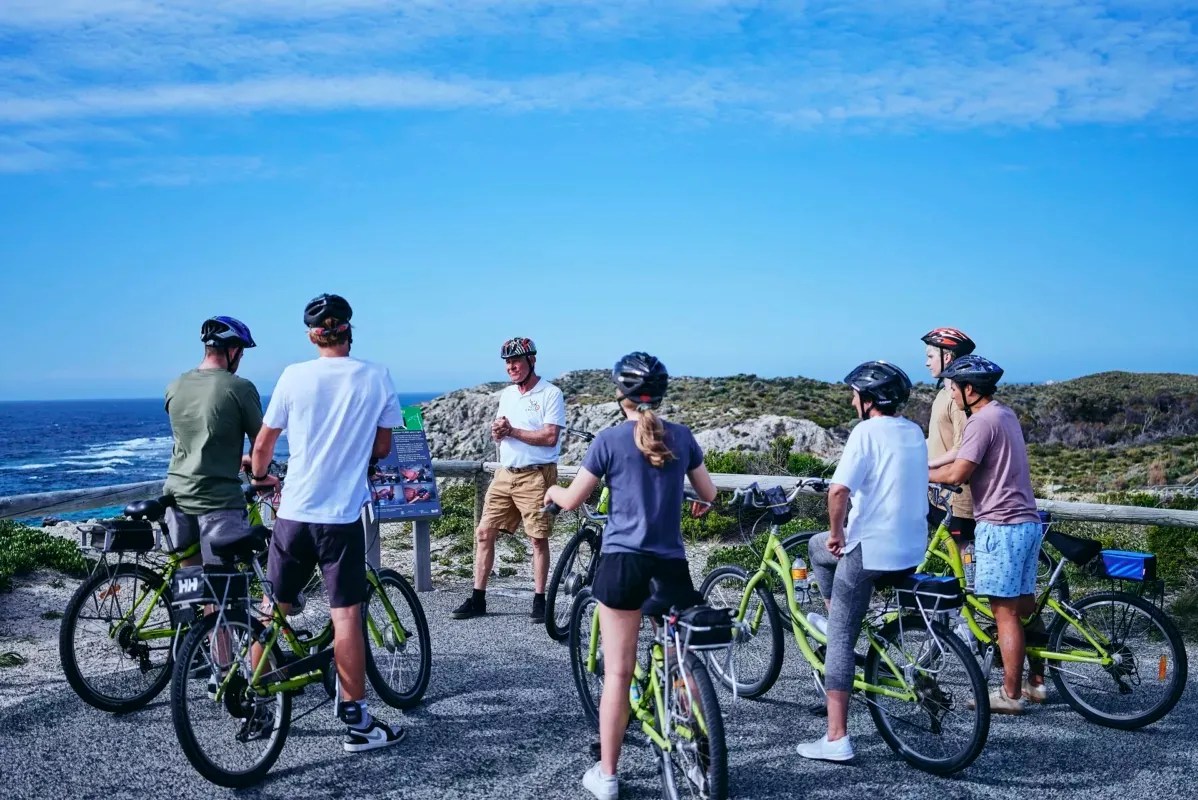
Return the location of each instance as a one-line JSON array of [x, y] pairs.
[[26, 467], [101, 470], [144, 448], [100, 462]]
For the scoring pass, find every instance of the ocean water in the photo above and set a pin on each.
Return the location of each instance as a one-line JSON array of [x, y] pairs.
[[75, 444]]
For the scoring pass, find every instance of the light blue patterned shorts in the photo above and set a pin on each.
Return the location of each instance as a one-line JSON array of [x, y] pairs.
[[1006, 558]]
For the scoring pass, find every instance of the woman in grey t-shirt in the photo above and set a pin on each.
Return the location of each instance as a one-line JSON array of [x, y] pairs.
[[645, 461]]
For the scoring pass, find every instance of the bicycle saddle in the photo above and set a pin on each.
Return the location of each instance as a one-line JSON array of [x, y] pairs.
[[1074, 548], [662, 602], [152, 510]]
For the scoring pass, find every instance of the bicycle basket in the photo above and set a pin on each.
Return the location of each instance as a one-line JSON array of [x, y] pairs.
[[705, 628], [119, 536], [219, 585], [1125, 565], [929, 593]]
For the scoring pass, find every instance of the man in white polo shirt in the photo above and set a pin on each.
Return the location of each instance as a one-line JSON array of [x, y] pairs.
[[532, 414]]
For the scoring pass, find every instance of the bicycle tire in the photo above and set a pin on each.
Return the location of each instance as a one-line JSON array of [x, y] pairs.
[[88, 683], [398, 659], [588, 684], [1170, 642], [710, 748], [763, 647], [190, 704], [565, 578], [937, 694]]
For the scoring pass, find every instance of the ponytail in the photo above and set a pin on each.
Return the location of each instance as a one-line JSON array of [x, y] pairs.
[[650, 438]]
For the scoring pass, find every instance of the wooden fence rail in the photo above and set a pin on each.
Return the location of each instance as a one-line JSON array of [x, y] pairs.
[[479, 472]]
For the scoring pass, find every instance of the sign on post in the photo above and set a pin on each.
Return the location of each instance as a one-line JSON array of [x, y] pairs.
[[403, 488]]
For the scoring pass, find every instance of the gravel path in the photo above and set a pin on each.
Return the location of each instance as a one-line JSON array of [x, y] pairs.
[[501, 720]]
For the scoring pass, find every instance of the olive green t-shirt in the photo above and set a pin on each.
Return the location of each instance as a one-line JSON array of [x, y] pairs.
[[211, 411]]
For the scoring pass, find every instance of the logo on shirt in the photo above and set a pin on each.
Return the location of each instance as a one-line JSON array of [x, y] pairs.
[[534, 407]]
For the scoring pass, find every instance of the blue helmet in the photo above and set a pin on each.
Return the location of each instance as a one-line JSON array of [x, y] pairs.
[[980, 373], [226, 332]]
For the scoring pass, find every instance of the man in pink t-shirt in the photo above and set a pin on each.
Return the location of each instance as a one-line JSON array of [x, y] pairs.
[[993, 459]]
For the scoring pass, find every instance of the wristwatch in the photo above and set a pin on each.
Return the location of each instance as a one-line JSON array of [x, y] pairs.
[[259, 478]]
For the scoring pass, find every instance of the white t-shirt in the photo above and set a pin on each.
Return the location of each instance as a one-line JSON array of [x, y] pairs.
[[542, 406], [331, 409], [885, 467]]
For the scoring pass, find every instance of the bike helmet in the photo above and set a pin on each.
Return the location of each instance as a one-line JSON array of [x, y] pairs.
[[883, 383], [980, 373], [226, 332], [518, 346], [952, 339], [641, 378], [327, 306]]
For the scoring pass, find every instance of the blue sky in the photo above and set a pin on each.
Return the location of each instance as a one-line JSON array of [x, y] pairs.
[[770, 188]]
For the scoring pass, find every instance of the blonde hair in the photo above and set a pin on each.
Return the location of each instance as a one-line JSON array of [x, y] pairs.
[[328, 335], [650, 438]]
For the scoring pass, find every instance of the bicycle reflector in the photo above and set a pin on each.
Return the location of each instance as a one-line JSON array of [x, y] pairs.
[[1163, 668]]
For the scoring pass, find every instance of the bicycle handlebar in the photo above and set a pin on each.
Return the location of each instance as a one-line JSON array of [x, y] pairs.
[[586, 436], [755, 496]]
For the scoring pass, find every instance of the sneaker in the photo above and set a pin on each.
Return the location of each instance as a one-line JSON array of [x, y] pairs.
[[375, 735], [538, 610], [1034, 692], [212, 687], [260, 725], [471, 608], [819, 621], [823, 750], [603, 787], [1001, 704]]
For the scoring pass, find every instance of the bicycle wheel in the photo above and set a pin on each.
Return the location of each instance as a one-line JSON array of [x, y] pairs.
[[696, 765], [753, 663], [1150, 672], [311, 614], [574, 569], [233, 741], [946, 728], [588, 683], [399, 654], [809, 599], [116, 638]]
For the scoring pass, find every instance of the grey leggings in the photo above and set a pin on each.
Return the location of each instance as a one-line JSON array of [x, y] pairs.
[[848, 586]]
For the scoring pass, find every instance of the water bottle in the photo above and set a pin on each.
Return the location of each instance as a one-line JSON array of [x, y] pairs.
[[819, 621], [798, 574], [970, 568], [634, 694], [963, 631]]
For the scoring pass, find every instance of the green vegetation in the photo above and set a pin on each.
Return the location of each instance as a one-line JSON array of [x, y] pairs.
[[11, 659], [24, 550]]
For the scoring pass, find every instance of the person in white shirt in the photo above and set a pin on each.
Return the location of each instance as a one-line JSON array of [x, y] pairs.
[[532, 414], [883, 471], [338, 412]]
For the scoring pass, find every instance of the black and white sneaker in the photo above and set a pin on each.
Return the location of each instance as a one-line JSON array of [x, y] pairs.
[[377, 734]]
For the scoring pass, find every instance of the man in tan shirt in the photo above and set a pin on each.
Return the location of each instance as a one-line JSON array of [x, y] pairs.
[[947, 425]]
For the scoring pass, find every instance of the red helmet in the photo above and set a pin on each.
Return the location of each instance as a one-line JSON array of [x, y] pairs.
[[950, 339]]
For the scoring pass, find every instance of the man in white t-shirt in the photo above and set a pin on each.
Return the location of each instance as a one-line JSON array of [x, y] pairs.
[[883, 471], [532, 414], [338, 412]]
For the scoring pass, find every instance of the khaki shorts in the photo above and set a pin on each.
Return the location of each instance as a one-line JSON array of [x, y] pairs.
[[519, 496]]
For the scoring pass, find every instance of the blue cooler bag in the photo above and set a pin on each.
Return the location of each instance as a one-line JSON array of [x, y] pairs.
[[1127, 565]]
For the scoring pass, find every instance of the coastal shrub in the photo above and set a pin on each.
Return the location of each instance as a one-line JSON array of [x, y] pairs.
[[457, 515], [24, 550]]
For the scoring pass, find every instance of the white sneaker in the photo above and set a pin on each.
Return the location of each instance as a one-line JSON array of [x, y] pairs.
[[823, 750], [1034, 692], [604, 787], [819, 621]]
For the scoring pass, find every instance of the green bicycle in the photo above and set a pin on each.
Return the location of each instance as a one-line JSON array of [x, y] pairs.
[[672, 696], [924, 689], [1116, 658], [231, 706], [119, 629]]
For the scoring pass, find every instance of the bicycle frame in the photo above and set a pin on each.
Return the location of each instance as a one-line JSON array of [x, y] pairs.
[[173, 560], [943, 549]]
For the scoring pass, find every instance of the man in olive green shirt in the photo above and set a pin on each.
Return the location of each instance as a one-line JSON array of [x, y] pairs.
[[212, 411]]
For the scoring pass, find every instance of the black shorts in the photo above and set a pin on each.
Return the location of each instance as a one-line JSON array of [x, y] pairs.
[[339, 551], [962, 529], [625, 581]]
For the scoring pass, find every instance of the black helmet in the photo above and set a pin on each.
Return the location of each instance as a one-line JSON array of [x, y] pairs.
[[880, 381], [980, 373], [226, 332], [324, 307], [641, 378], [518, 346]]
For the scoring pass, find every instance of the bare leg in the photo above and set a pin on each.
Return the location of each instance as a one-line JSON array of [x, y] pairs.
[[1035, 666], [484, 556], [838, 714], [350, 648], [1010, 642], [619, 630], [540, 563]]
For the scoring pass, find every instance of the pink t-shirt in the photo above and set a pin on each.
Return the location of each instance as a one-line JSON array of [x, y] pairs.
[[1002, 482]]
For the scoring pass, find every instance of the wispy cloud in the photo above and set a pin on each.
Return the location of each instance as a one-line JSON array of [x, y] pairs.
[[906, 64]]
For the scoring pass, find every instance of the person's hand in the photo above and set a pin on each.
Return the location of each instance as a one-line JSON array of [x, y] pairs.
[[268, 485], [549, 496], [246, 465], [500, 428], [836, 543], [699, 508]]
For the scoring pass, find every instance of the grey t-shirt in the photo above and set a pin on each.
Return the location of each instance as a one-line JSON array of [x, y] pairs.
[[646, 501], [1002, 481]]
